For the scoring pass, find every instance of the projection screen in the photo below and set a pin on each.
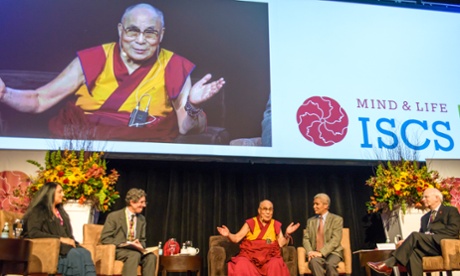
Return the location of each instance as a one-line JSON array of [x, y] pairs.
[[346, 81]]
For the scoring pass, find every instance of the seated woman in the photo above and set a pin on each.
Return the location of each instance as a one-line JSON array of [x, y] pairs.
[[46, 218]]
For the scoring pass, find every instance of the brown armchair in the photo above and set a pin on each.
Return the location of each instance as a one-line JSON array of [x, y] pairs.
[[448, 261], [344, 266], [221, 250], [44, 252], [104, 254]]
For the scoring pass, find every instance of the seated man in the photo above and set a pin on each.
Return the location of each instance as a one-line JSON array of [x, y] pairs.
[[128, 225], [322, 238], [443, 222], [127, 90], [260, 249]]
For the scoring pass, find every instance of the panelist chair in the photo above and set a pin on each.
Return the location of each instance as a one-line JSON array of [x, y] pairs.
[[104, 254], [448, 262], [221, 250], [344, 266], [43, 252]]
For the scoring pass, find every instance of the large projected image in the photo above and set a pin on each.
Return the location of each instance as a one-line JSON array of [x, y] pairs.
[[76, 70], [321, 80]]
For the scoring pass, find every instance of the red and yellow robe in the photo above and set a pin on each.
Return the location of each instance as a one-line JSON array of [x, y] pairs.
[[110, 94], [260, 253]]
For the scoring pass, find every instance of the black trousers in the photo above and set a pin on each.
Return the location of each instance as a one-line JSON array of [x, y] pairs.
[[413, 249]]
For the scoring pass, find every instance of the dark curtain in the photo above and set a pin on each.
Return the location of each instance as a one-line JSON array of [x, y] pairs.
[[188, 200]]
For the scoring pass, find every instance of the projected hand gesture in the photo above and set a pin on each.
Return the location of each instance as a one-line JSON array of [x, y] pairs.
[[202, 91]]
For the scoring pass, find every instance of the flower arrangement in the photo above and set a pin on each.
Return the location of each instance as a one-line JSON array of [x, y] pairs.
[[401, 184], [82, 176], [452, 184]]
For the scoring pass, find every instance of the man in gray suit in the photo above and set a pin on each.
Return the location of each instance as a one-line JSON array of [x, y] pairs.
[[128, 225], [322, 238]]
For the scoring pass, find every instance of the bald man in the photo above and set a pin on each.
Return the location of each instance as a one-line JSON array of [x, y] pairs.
[[127, 90], [260, 252], [442, 222]]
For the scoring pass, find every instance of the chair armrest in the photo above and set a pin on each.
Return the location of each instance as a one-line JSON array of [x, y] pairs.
[[450, 249], [105, 259], [347, 259], [302, 261], [301, 255], [216, 261], [290, 258], [91, 248], [44, 255]]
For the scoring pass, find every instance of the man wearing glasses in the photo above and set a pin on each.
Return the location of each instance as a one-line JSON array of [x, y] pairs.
[[128, 226], [129, 90]]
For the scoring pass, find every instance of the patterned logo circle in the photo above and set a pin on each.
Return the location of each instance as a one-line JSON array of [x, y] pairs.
[[322, 120]]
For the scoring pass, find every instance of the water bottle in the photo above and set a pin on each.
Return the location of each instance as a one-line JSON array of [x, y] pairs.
[[5, 231], [160, 249]]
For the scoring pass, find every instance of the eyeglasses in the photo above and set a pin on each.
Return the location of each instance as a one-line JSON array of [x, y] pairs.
[[267, 209], [148, 34], [143, 202]]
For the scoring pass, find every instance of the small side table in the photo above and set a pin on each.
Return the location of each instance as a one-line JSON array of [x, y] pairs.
[[180, 263], [373, 255], [14, 256]]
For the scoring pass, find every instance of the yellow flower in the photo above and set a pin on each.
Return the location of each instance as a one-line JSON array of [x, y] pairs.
[[401, 184], [82, 176]]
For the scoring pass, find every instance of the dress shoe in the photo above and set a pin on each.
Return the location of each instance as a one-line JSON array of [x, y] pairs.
[[380, 267]]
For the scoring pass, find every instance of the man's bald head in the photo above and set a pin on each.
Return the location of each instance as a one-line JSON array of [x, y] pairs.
[[143, 6]]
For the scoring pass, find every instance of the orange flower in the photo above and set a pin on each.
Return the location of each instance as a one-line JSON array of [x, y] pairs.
[[400, 184], [82, 175]]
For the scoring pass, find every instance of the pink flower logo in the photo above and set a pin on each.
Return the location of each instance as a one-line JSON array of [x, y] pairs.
[[13, 191], [322, 120]]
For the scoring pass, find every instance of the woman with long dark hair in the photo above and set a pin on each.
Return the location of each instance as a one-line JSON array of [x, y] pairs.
[[46, 218]]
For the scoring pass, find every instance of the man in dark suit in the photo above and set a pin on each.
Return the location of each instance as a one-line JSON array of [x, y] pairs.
[[322, 238], [443, 222], [128, 225]]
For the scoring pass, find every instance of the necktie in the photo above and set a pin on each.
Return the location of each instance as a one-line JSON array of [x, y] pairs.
[[131, 229], [320, 234], [433, 215]]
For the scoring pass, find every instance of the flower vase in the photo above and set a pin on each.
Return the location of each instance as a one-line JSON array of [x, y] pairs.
[[410, 221], [399, 225], [80, 214]]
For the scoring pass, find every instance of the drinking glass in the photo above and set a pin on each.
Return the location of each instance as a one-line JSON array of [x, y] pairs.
[[17, 228], [17, 232], [188, 244]]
